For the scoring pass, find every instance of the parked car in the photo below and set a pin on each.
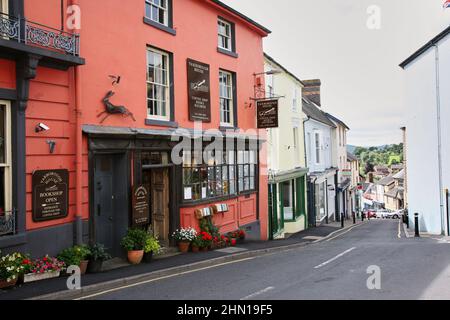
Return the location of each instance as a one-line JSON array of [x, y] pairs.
[[382, 214], [369, 213], [394, 215]]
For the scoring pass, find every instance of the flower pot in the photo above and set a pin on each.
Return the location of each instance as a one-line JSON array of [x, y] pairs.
[[184, 247], [32, 277], [83, 266], [148, 257], [5, 284], [195, 249], [135, 257], [95, 266], [204, 249]]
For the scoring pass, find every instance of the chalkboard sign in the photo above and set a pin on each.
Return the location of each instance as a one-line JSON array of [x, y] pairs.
[[50, 195], [199, 90], [141, 205]]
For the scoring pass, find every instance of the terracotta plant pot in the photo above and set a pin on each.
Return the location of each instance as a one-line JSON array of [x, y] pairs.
[[5, 284], [83, 266], [184, 247], [148, 257], [135, 257], [95, 266], [205, 249], [195, 249]]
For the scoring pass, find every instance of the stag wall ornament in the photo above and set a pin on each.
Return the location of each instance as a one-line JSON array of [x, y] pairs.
[[111, 109]]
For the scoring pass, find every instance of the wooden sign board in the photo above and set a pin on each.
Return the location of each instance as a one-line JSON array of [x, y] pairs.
[[199, 91], [50, 195], [267, 114]]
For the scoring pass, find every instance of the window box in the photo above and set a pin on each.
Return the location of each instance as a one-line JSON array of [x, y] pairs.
[[33, 277]]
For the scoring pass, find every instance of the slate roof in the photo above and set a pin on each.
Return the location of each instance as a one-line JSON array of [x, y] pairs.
[[336, 120], [396, 193], [351, 157], [400, 175], [386, 181], [313, 112]]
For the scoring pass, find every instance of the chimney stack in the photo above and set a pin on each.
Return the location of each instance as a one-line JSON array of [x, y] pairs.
[[311, 90]]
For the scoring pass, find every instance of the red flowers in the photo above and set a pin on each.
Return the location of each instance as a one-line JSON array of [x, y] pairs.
[[233, 242], [206, 236]]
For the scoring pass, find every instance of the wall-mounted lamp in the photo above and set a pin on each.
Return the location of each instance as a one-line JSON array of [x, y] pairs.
[[41, 127], [260, 92], [52, 145]]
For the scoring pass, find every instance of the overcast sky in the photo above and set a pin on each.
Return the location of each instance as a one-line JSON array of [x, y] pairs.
[[329, 39]]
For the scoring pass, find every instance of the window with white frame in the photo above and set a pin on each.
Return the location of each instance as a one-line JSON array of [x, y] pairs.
[[225, 39], [226, 98], [158, 88], [5, 159], [296, 150], [317, 145], [157, 11]]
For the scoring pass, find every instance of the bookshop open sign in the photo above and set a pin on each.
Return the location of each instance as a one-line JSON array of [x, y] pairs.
[[267, 114]]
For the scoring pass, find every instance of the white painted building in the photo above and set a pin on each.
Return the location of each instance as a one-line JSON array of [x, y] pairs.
[[286, 153], [318, 138], [428, 140]]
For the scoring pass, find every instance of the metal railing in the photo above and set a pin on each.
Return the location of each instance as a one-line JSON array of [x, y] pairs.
[[8, 223], [31, 33]]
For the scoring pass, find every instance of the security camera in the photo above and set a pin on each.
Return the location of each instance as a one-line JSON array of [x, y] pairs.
[[42, 127]]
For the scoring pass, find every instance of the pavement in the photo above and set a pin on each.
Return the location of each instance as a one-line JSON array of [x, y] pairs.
[[373, 261], [129, 275]]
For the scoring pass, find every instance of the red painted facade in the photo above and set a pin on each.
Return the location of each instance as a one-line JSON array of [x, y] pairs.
[[114, 41]]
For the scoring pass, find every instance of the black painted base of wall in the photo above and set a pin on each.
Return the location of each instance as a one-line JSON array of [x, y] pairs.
[[253, 231], [41, 242]]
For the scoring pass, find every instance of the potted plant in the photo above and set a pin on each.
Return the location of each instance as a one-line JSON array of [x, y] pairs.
[[151, 247], [207, 240], [11, 267], [184, 237], [197, 244], [76, 256], [134, 243], [41, 269], [97, 256]]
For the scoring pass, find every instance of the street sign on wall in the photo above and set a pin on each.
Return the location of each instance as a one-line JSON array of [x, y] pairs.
[[267, 114], [199, 91], [50, 195]]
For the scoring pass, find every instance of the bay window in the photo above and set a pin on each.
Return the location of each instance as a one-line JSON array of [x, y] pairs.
[[158, 85]]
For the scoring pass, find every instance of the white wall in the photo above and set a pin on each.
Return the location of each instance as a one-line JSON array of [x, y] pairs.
[[311, 127], [422, 150]]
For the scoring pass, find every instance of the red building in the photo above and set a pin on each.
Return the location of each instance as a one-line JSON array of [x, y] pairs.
[[89, 115]]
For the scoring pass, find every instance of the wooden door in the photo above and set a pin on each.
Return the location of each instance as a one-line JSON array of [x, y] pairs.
[[160, 205]]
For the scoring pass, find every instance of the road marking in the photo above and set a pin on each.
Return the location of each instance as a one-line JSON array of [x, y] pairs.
[[160, 278], [258, 293], [341, 234], [335, 258]]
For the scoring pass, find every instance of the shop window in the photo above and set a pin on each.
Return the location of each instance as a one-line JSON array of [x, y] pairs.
[[320, 200], [154, 158], [288, 200], [5, 160], [158, 11], [247, 163], [218, 176], [158, 85]]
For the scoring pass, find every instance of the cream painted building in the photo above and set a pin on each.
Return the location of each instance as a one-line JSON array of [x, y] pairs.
[[286, 153]]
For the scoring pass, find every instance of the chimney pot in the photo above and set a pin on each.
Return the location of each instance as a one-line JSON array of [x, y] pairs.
[[311, 90]]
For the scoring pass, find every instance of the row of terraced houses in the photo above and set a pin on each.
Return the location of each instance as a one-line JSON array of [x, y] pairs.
[[96, 97]]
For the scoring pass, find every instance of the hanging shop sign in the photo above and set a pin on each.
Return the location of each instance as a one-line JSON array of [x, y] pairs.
[[267, 114], [199, 91], [50, 195], [141, 205]]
